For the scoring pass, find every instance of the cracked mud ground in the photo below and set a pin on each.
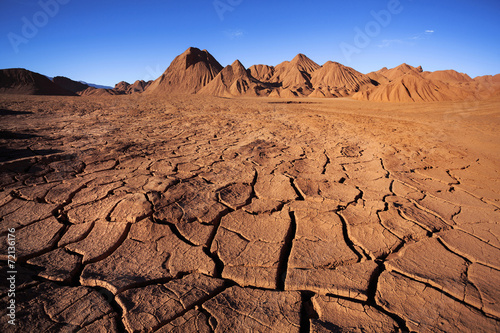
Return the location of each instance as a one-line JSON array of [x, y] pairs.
[[217, 215]]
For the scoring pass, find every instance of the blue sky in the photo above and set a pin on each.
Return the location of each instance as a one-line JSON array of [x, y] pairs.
[[107, 41]]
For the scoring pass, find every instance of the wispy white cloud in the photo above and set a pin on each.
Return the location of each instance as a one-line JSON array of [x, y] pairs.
[[408, 40], [233, 34]]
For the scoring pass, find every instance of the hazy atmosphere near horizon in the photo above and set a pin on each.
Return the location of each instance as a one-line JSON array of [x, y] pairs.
[[105, 42]]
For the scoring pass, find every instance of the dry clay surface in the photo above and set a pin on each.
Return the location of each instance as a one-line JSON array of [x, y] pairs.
[[205, 214]]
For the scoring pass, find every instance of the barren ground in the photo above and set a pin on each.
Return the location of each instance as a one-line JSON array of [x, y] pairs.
[[210, 214]]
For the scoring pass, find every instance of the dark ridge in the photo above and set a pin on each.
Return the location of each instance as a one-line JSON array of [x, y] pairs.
[[5, 112]]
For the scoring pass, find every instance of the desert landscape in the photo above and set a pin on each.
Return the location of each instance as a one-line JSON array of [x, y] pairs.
[[295, 198]]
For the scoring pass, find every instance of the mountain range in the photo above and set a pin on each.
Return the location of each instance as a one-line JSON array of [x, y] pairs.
[[197, 72]]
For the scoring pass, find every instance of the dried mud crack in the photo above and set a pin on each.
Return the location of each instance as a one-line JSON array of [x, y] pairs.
[[205, 214]]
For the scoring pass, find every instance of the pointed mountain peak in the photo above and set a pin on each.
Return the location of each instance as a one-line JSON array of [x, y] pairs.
[[330, 63], [193, 55], [303, 63], [404, 66], [187, 73], [238, 64], [193, 50], [301, 56]]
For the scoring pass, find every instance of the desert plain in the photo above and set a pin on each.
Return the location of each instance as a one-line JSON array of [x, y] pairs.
[[210, 214]]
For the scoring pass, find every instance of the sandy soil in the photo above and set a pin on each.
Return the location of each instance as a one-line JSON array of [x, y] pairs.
[[211, 214]]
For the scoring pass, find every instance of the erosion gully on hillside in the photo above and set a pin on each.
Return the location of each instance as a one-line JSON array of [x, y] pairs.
[[208, 214]]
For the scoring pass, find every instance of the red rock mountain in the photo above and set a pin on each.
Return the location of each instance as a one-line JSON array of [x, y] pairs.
[[25, 82], [187, 74], [122, 87], [138, 86], [377, 78], [397, 72], [296, 75], [263, 73], [233, 80], [449, 76], [336, 80], [197, 71], [414, 87]]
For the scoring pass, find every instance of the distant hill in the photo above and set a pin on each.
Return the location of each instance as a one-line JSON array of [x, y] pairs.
[[25, 82], [406, 83], [69, 84], [121, 88], [196, 71]]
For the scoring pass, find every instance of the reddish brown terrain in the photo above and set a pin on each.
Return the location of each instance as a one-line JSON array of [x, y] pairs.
[[158, 212]]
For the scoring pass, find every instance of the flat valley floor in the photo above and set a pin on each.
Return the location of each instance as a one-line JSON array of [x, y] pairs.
[[201, 214]]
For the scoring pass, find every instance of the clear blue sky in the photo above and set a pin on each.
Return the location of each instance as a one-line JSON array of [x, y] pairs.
[[107, 41]]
